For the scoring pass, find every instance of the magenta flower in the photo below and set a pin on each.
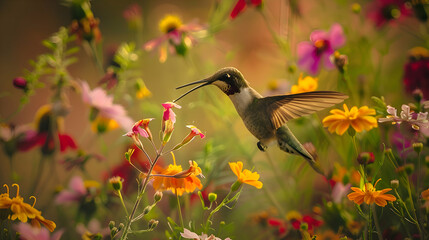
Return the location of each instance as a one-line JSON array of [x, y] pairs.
[[74, 193], [28, 232], [321, 46], [240, 6], [142, 128], [98, 99], [168, 112], [416, 71], [384, 11]]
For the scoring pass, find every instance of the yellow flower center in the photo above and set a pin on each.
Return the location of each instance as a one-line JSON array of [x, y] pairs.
[[170, 23]]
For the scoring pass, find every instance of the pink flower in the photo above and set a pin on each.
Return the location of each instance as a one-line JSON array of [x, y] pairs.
[[240, 6], [340, 191], [74, 193], [93, 227], [142, 128], [321, 46], [168, 112], [98, 99], [384, 11], [28, 232], [194, 132], [191, 235]]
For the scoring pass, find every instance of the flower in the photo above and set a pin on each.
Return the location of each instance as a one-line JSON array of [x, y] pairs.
[[240, 6], [180, 37], [384, 11], [322, 46], [173, 178], [194, 132], [245, 176], [280, 224], [141, 90], [191, 235], [296, 219], [416, 71], [369, 195], [306, 84], [104, 106], [23, 211], [168, 120], [339, 191], [360, 119], [142, 128], [44, 136], [417, 121], [78, 189], [28, 232], [84, 25], [133, 16]]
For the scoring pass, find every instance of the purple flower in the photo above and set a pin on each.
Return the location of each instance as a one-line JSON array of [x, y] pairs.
[[28, 232], [385, 11], [321, 46], [98, 99]]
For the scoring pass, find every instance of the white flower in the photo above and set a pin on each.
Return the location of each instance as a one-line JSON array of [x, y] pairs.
[[417, 121]]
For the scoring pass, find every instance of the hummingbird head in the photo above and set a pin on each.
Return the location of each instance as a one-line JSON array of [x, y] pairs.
[[227, 79]]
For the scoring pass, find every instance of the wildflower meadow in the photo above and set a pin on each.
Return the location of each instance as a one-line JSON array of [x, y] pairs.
[[218, 119]]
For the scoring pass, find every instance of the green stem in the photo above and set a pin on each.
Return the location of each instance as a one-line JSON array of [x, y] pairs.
[[140, 195], [179, 209], [370, 223], [376, 223], [206, 227], [122, 201]]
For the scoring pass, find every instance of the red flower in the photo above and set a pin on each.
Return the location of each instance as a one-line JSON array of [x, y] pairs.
[[33, 139], [240, 6], [384, 11], [416, 71], [279, 224]]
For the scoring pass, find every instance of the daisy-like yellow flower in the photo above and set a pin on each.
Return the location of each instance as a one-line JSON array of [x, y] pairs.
[[370, 195], [170, 23], [103, 124], [245, 176], [360, 119], [23, 211], [306, 84], [173, 178]]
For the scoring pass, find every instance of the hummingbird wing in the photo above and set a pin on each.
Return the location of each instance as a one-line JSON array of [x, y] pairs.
[[283, 108]]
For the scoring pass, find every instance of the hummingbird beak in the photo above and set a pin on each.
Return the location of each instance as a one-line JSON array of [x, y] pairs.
[[204, 82]]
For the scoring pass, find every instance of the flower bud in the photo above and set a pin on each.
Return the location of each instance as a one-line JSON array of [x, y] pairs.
[[212, 197], [153, 223], [20, 83], [120, 226], [394, 183], [303, 226], [409, 168], [427, 161], [235, 186], [114, 231], [418, 147], [365, 158], [158, 196], [116, 183], [339, 60], [418, 95], [111, 224], [147, 210]]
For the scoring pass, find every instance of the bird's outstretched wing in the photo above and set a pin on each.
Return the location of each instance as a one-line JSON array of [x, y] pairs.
[[283, 108]]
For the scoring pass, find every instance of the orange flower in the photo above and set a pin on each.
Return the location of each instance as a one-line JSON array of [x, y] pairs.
[[360, 119], [23, 211], [370, 195], [245, 176], [176, 180]]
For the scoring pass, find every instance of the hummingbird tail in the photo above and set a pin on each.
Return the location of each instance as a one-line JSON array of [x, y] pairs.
[[288, 143]]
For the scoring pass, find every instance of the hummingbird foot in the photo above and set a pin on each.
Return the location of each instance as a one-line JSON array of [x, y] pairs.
[[261, 146]]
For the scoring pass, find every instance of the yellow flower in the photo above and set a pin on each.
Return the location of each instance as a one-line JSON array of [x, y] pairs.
[[103, 124], [245, 176], [141, 90], [370, 195], [170, 23], [23, 211], [306, 84], [176, 180], [360, 119]]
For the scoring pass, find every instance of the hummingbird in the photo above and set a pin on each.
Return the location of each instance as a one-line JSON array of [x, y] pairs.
[[266, 117]]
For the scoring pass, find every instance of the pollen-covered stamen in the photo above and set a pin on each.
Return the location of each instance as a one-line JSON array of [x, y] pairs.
[[321, 45], [170, 23], [7, 188]]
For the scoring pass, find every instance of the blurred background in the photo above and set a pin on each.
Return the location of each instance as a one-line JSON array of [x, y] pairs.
[[262, 46]]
